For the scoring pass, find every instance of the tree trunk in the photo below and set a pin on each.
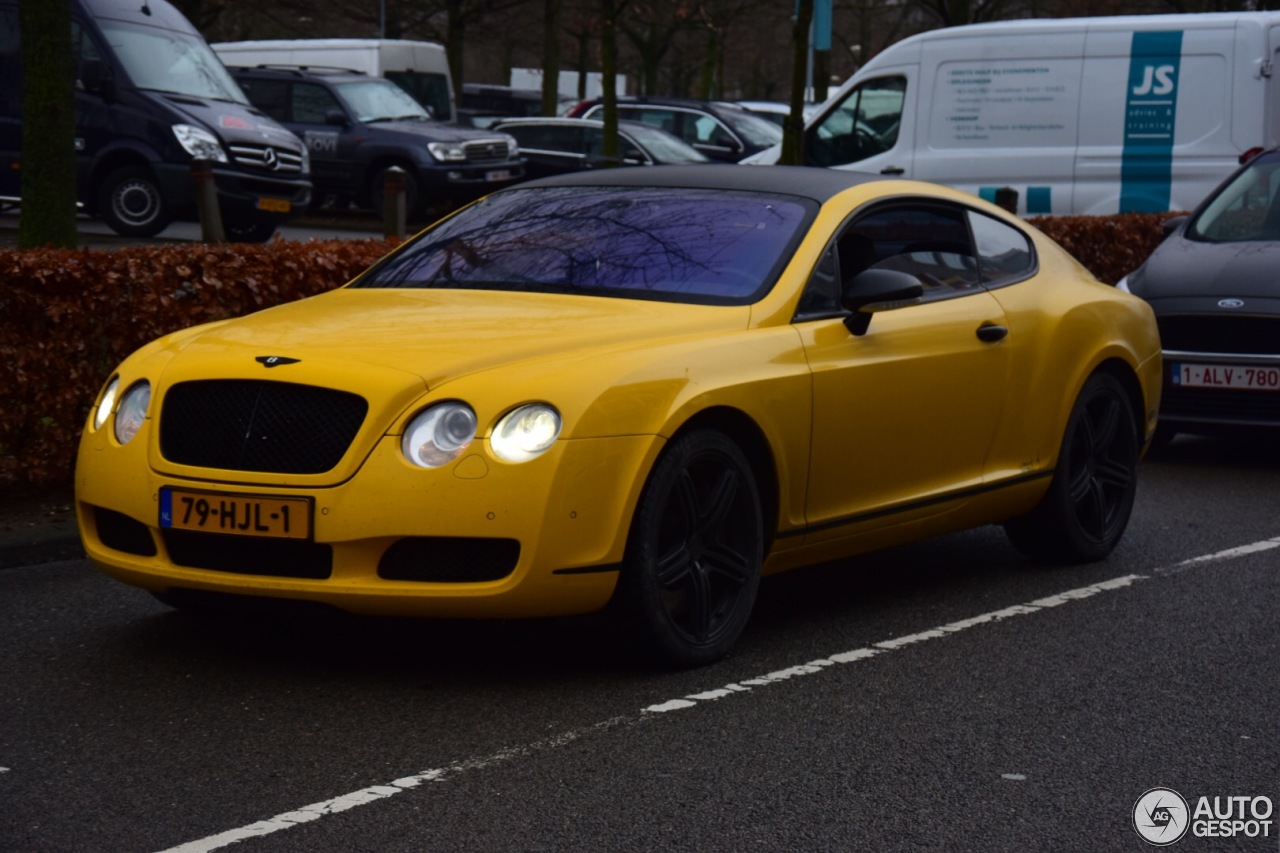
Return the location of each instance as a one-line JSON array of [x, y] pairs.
[[793, 126], [609, 72], [551, 57], [48, 182]]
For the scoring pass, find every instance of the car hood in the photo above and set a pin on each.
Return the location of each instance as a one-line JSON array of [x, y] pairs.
[[233, 122], [1182, 268], [431, 131], [436, 336]]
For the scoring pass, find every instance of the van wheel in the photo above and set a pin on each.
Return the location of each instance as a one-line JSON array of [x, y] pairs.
[[129, 201], [412, 193], [1086, 510], [693, 561]]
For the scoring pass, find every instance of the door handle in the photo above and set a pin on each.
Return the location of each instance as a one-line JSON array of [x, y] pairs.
[[990, 332], [892, 170]]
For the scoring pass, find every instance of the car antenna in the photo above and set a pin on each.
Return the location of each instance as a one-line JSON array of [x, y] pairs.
[[146, 10]]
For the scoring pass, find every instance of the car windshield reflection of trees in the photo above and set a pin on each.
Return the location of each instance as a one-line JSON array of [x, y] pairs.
[[701, 246]]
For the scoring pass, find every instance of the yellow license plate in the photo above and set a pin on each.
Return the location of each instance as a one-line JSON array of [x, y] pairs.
[[275, 205], [240, 515]]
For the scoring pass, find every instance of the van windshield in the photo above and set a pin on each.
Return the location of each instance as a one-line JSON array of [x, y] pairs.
[[170, 61]]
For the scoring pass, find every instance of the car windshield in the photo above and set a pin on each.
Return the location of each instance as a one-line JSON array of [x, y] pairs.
[[663, 147], [169, 61], [684, 245], [377, 99], [753, 128], [1245, 208]]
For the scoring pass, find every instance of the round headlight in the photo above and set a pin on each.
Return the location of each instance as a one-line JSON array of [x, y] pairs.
[[132, 411], [525, 433], [106, 403], [439, 435]]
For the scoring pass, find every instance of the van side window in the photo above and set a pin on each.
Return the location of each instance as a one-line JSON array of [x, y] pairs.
[[1004, 252], [90, 69], [863, 125]]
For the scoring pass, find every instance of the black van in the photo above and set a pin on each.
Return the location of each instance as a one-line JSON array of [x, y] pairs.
[[150, 98]]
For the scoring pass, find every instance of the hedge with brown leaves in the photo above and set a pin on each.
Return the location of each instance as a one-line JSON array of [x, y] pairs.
[[1110, 247], [69, 316]]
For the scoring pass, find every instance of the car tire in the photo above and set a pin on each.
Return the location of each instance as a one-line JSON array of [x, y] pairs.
[[1087, 508], [412, 192], [246, 229], [129, 201], [693, 559]]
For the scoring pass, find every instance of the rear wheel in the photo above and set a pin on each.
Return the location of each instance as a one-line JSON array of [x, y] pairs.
[[1087, 507], [129, 201], [693, 562]]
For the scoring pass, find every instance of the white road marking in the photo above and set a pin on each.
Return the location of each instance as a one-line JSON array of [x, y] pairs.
[[374, 793]]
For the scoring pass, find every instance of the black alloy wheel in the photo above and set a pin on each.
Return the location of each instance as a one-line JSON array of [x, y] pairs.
[[693, 561], [1087, 507]]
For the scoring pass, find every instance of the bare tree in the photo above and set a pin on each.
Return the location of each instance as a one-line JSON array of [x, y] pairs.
[[48, 182]]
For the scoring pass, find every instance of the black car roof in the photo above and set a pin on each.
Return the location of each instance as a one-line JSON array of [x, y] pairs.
[[805, 181]]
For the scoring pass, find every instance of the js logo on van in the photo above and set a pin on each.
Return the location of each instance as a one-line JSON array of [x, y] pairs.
[[1156, 80]]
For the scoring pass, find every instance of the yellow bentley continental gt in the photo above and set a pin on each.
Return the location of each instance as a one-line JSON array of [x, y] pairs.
[[639, 389]]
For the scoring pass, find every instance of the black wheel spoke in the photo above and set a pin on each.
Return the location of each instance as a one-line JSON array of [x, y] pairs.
[[674, 569]]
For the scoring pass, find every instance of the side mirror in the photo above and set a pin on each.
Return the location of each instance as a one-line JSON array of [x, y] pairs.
[[1171, 225], [877, 290], [336, 116], [96, 78]]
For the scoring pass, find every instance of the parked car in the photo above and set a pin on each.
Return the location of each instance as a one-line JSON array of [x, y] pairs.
[[775, 111], [721, 131], [151, 98], [357, 127], [554, 146], [484, 104], [644, 387], [1214, 284]]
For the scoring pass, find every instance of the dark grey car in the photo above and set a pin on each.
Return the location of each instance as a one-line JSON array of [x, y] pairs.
[[1214, 284]]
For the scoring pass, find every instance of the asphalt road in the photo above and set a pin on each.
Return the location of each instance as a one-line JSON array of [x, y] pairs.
[[942, 696]]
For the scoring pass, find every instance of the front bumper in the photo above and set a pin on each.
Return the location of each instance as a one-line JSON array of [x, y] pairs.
[[1211, 410], [274, 197], [567, 513]]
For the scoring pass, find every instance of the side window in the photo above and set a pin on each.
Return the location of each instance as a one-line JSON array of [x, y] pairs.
[[930, 242], [864, 124], [1004, 252], [708, 131], [662, 119], [90, 68], [270, 96], [311, 103]]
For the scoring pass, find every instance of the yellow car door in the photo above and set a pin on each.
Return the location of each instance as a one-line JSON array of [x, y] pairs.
[[904, 413]]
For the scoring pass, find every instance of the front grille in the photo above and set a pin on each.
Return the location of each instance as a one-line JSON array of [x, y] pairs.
[[254, 425], [1222, 405], [267, 158], [449, 559], [249, 555], [486, 151], [1241, 335]]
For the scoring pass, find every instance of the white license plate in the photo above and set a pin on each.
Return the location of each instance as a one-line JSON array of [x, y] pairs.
[[1252, 377], [498, 175]]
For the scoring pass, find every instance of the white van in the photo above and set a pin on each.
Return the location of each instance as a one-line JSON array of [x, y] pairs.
[[421, 68], [1085, 115]]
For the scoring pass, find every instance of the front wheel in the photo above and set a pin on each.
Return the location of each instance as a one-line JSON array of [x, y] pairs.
[[129, 201], [1087, 508], [693, 560]]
